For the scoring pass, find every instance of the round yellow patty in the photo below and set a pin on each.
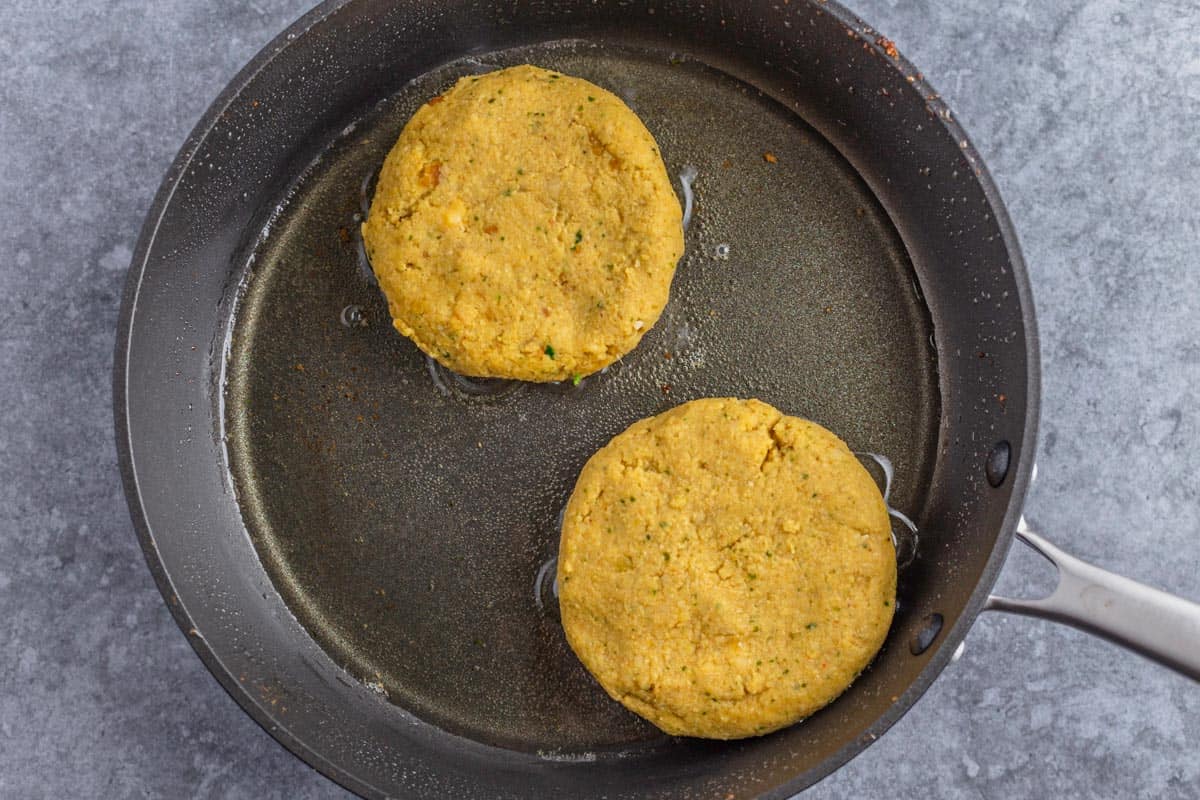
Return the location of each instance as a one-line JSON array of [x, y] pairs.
[[725, 570], [524, 226]]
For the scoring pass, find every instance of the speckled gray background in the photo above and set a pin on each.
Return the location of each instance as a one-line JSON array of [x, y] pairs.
[[1088, 114]]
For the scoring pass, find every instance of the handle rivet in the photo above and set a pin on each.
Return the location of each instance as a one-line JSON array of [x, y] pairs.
[[925, 637], [996, 466]]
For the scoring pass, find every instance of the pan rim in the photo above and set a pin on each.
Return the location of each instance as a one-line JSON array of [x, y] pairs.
[[276, 726], [270, 723]]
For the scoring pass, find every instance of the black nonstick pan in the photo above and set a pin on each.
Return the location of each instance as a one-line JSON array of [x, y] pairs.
[[357, 542]]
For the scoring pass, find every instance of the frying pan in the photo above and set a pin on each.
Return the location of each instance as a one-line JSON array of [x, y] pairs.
[[356, 542]]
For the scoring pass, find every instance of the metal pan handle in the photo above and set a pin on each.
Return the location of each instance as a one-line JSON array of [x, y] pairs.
[[1158, 625]]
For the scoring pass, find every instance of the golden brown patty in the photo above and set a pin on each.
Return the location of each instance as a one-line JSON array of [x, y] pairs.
[[725, 570], [524, 226]]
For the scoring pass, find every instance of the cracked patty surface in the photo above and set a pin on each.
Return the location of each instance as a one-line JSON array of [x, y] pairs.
[[725, 570], [524, 226]]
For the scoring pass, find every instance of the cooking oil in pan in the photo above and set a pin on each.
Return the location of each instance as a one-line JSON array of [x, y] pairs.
[[904, 535], [545, 588], [687, 180], [352, 316], [356, 459], [450, 384]]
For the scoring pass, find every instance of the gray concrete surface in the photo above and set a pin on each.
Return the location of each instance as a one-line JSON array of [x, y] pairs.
[[1088, 114]]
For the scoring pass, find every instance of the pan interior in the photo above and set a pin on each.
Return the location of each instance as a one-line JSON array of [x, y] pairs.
[[404, 519]]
